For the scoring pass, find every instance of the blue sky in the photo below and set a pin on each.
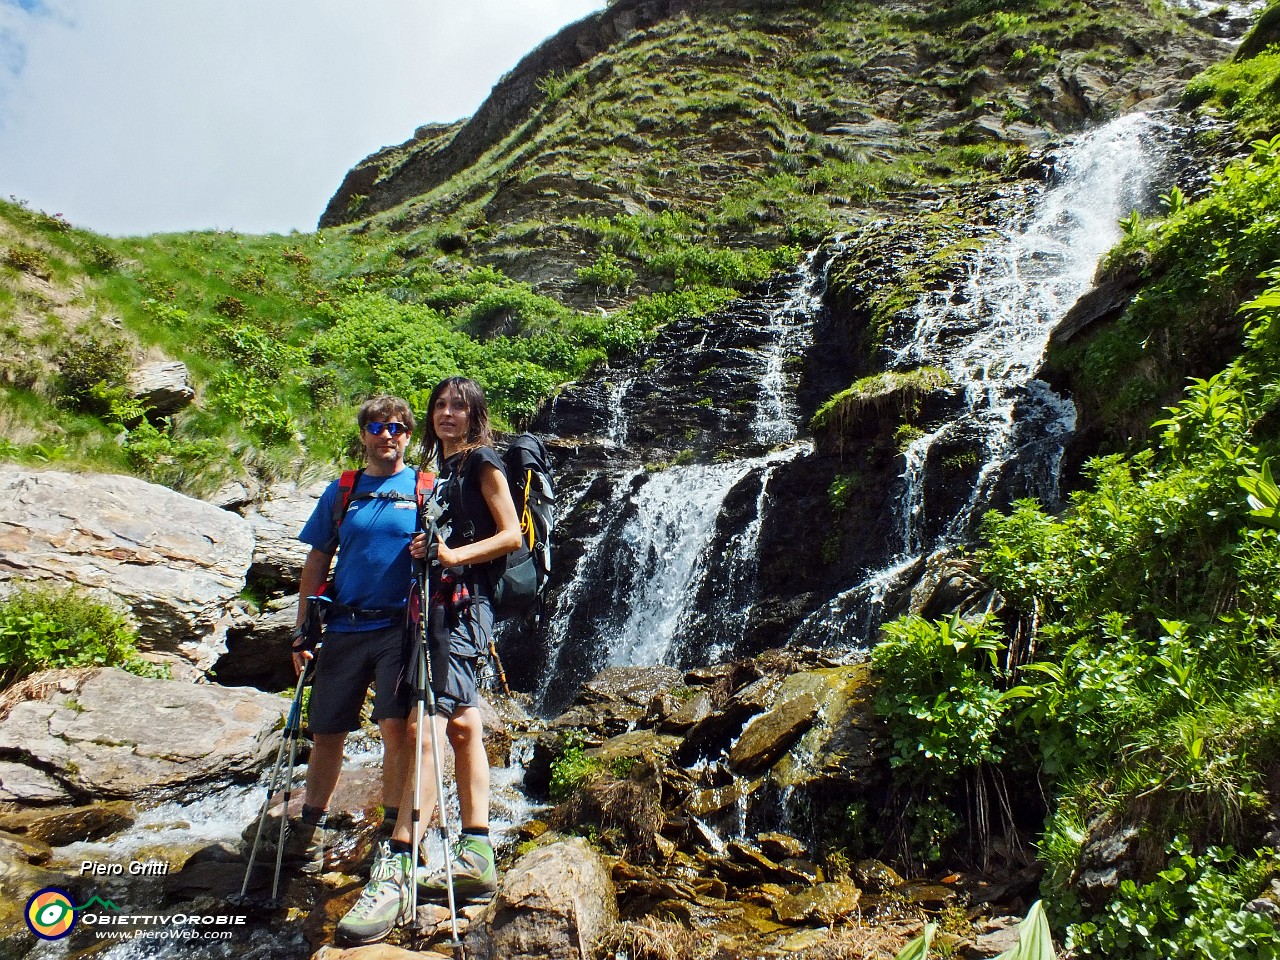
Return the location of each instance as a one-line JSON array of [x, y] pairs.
[[139, 116]]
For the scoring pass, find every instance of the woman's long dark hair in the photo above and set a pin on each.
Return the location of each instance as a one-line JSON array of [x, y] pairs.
[[479, 433]]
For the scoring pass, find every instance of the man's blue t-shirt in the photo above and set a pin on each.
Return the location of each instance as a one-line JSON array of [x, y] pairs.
[[374, 567]]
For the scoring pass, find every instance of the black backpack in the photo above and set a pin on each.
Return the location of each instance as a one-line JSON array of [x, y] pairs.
[[520, 578]]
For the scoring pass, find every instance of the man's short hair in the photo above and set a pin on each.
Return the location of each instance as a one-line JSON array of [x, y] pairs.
[[385, 407]]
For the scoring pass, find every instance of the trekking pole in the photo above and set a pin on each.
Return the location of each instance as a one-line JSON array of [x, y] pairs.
[[310, 640], [425, 695]]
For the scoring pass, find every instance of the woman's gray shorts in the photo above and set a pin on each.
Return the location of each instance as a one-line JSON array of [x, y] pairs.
[[456, 648], [345, 666]]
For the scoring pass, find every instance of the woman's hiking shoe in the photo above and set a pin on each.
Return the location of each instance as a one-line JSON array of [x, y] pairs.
[[304, 842], [384, 902], [474, 874]]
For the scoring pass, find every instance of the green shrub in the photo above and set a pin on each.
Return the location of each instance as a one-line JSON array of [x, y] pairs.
[[1192, 910], [940, 695], [572, 768], [174, 462], [607, 273], [42, 629], [89, 367], [27, 260]]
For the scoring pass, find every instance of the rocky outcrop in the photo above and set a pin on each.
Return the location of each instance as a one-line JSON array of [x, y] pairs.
[[366, 190], [163, 387], [177, 563], [106, 734], [554, 903], [276, 519]]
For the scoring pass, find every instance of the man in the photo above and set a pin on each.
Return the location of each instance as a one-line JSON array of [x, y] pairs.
[[363, 637]]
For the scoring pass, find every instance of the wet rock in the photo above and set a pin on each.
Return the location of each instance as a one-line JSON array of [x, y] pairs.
[[677, 711], [875, 877], [951, 584], [707, 801], [633, 746], [931, 896], [799, 870], [19, 879], [177, 563], [106, 734], [552, 904], [767, 737], [18, 848], [57, 828], [222, 878], [845, 743], [1106, 300], [713, 735], [617, 699], [780, 846], [823, 903]]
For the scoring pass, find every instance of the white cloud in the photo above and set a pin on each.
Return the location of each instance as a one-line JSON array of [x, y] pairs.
[[134, 116]]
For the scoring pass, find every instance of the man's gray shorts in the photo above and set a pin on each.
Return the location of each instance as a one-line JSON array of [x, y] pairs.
[[455, 653], [346, 664]]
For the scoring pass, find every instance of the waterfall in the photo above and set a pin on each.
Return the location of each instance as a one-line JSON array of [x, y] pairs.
[[667, 574], [791, 331], [616, 434], [668, 570], [989, 333]]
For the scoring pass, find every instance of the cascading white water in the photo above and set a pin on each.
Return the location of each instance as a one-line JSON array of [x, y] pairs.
[[791, 327], [616, 433], [666, 542], [989, 334], [660, 537]]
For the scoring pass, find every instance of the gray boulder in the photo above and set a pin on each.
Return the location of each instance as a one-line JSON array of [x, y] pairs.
[[554, 904], [278, 554], [106, 734], [164, 387], [177, 563]]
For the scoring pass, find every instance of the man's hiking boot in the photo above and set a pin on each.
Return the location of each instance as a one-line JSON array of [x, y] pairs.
[[384, 902], [474, 875], [304, 842]]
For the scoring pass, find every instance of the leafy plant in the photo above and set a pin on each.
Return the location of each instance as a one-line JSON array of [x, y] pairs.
[[1035, 940], [42, 628], [1264, 496], [90, 368], [572, 768], [608, 273], [1194, 908], [940, 694]]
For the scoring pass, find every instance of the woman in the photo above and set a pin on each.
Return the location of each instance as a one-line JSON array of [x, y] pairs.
[[476, 523]]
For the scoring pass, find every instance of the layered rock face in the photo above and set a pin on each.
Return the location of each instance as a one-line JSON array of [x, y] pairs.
[[178, 563]]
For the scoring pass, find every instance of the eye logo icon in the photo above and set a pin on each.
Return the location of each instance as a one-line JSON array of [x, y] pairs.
[[50, 914]]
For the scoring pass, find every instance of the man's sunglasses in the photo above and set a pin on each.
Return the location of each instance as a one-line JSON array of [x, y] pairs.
[[375, 428]]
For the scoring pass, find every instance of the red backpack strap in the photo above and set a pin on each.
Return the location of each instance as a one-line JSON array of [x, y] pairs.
[[346, 487], [426, 483]]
